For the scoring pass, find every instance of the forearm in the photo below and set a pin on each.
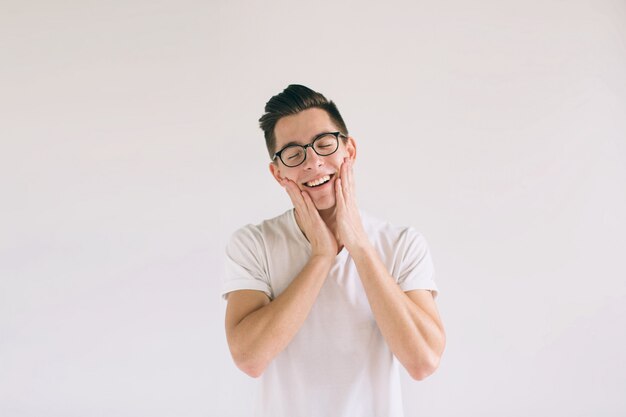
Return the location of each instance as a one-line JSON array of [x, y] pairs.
[[264, 333], [412, 334]]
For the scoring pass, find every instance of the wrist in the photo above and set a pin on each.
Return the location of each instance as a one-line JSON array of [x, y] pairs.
[[360, 247], [321, 257]]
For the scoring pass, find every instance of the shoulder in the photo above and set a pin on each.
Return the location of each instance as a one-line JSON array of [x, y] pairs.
[[255, 235], [391, 234], [386, 230]]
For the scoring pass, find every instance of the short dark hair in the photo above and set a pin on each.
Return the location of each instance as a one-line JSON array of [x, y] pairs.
[[294, 99]]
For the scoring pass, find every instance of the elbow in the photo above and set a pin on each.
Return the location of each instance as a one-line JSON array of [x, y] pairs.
[[423, 369], [425, 365], [249, 364], [247, 357], [251, 369]]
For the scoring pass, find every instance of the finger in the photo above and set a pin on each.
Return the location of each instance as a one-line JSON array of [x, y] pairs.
[[294, 194], [342, 170], [310, 205], [339, 194], [345, 183], [292, 188], [350, 175], [344, 167], [308, 202], [290, 191]]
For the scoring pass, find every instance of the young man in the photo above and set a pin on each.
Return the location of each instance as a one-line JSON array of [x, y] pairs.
[[324, 301]]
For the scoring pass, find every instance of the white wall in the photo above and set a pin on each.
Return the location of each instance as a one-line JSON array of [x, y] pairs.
[[496, 128]]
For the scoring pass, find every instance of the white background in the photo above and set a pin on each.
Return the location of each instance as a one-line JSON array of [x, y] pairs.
[[130, 151]]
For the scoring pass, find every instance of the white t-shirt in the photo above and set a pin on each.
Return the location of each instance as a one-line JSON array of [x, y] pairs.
[[338, 364]]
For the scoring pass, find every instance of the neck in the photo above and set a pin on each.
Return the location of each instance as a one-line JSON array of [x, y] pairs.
[[330, 217]]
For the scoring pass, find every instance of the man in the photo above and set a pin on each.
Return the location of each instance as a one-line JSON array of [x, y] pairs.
[[324, 301]]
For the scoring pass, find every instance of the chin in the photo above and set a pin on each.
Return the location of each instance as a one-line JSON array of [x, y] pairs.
[[324, 204]]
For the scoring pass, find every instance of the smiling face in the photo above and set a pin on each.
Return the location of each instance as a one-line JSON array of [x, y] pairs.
[[316, 174]]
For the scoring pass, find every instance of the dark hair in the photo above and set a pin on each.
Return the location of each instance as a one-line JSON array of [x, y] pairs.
[[294, 99]]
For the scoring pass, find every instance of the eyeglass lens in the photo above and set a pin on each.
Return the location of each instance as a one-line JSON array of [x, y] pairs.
[[294, 155]]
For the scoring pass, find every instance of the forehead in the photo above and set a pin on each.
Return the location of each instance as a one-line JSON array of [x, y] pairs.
[[302, 127]]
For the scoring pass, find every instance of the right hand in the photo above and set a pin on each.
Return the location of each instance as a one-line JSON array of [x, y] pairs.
[[323, 242]]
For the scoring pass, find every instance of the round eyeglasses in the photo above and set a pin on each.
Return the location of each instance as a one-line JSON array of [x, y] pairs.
[[324, 144]]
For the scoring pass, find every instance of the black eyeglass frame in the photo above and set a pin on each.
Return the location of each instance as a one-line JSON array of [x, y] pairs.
[[310, 145]]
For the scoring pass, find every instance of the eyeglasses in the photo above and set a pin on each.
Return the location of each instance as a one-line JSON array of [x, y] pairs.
[[324, 144]]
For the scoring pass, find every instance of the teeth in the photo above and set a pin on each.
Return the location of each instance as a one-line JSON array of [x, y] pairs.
[[318, 181]]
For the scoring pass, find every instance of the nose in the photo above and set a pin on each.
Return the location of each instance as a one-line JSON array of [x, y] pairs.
[[312, 159]]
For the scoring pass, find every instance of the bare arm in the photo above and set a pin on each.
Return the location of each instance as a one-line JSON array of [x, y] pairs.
[[409, 322], [257, 330]]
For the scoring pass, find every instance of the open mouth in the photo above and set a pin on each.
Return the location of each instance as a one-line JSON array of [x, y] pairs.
[[319, 181]]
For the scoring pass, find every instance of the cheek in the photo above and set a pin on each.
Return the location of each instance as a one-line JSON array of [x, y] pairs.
[[338, 160], [293, 176], [284, 173]]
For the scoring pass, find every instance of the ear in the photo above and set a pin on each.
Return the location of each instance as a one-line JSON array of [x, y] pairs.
[[275, 170], [351, 148]]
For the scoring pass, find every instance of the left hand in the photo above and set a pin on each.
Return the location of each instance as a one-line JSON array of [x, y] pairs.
[[349, 225]]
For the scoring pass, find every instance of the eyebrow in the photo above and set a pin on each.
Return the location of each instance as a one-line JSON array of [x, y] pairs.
[[295, 142]]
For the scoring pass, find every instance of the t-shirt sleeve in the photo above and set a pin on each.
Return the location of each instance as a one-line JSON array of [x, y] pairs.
[[246, 263], [416, 270]]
